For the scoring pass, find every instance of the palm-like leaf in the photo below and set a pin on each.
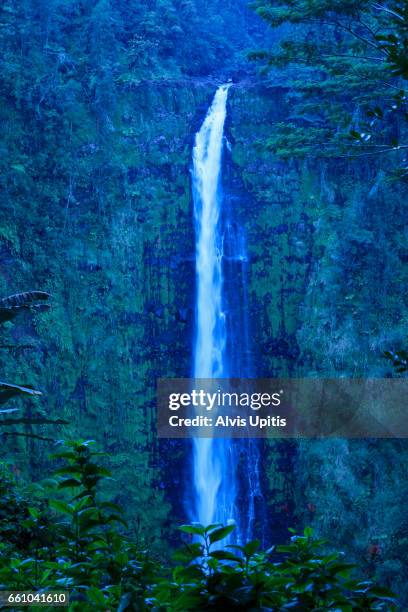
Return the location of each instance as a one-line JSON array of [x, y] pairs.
[[12, 305], [8, 391]]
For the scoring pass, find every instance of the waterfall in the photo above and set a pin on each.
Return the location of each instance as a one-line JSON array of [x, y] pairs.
[[213, 464], [222, 340]]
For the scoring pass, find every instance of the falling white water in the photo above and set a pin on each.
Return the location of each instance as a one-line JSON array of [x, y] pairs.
[[213, 481]]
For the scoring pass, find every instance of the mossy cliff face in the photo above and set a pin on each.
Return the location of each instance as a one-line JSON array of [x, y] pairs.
[[110, 235], [326, 277], [114, 247], [326, 250], [99, 103]]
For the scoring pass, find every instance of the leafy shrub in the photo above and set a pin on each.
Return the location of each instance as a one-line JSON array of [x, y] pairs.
[[245, 578], [86, 552], [72, 540]]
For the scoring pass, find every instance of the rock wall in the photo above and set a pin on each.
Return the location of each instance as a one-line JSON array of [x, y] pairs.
[[327, 274]]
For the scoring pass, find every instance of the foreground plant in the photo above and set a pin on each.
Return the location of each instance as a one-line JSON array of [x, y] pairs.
[[69, 539], [297, 576], [74, 542]]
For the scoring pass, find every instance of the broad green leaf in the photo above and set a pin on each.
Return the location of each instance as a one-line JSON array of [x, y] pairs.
[[68, 483], [221, 533], [225, 555], [195, 529], [250, 548]]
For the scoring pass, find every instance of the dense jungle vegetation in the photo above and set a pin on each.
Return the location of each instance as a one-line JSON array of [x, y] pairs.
[[72, 544], [99, 100], [348, 68]]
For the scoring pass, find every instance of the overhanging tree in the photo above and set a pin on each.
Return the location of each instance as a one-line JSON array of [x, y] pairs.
[[346, 70]]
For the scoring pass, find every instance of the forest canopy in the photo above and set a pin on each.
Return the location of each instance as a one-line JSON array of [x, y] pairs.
[[348, 70]]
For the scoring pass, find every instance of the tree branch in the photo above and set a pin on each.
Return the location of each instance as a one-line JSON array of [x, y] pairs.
[[380, 7]]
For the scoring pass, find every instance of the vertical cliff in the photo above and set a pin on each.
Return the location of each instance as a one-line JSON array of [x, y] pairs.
[[327, 274]]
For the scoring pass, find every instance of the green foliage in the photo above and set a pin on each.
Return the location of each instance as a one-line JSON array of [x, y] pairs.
[[95, 205], [343, 63], [16, 512], [7, 391], [399, 360], [12, 305], [78, 542], [9, 308], [97, 99], [246, 578], [72, 541], [328, 267], [395, 44]]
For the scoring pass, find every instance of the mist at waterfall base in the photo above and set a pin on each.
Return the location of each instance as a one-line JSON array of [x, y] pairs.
[[226, 474]]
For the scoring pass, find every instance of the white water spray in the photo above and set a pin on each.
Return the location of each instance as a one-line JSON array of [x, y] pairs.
[[214, 479]]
